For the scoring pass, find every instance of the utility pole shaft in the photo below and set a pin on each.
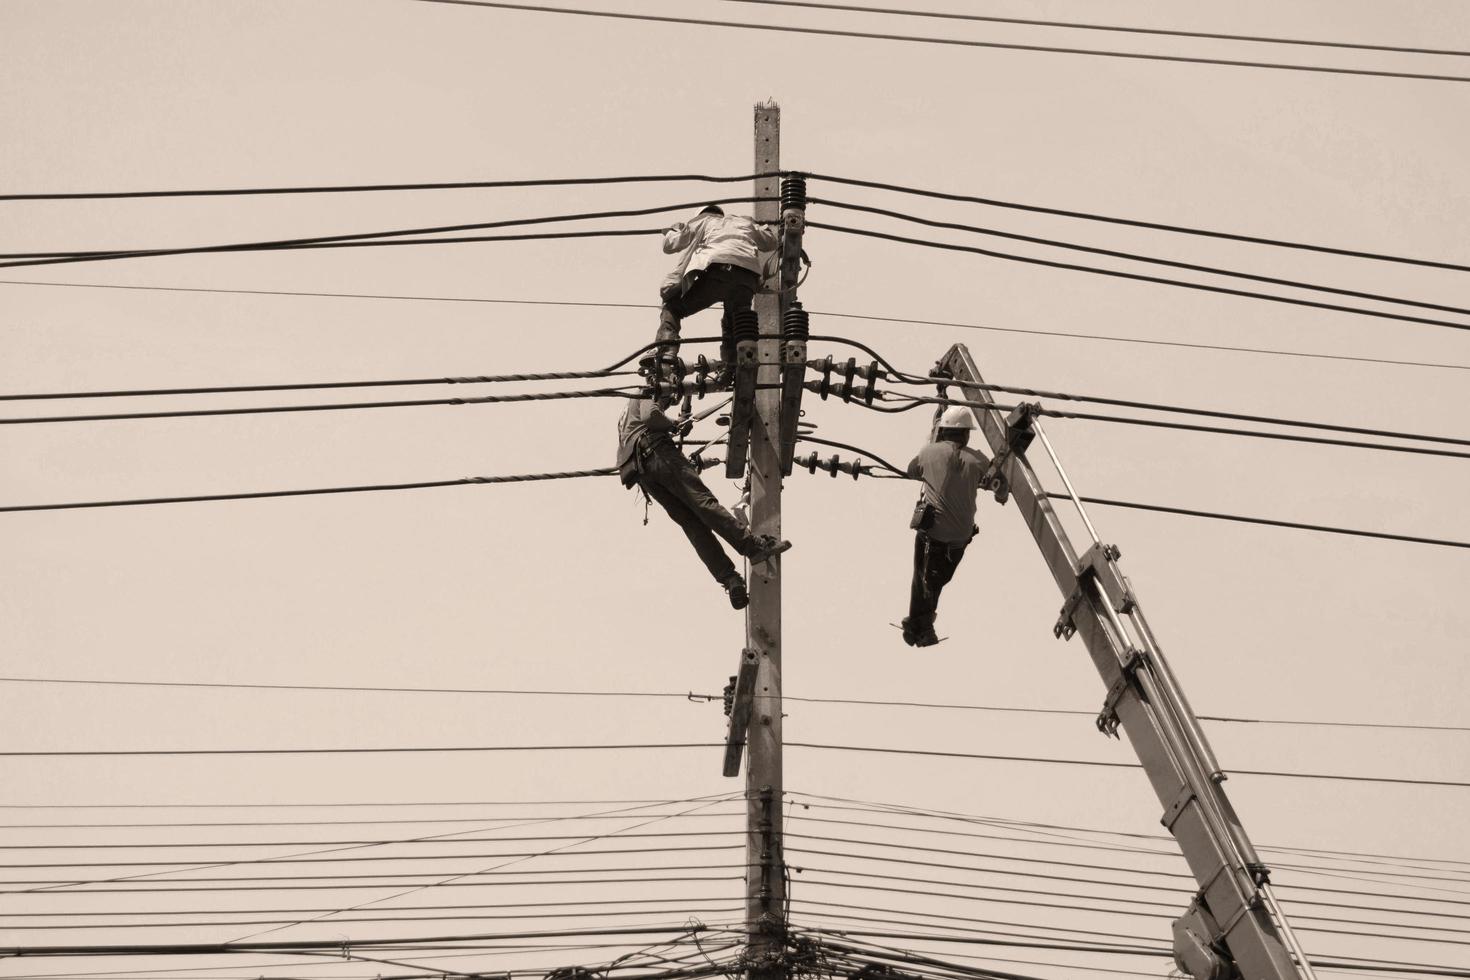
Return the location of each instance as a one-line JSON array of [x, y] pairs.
[[765, 906]]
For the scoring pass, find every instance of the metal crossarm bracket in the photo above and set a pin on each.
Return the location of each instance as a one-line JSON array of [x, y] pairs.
[[1107, 719], [1065, 627], [1019, 434], [740, 707], [1102, 561]]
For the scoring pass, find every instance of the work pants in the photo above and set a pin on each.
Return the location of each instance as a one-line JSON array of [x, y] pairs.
[[934, 565], [670, 480], [719, 283]]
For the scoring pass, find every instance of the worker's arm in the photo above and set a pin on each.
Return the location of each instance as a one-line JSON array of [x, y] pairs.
[[677, 237], [915, 471], [656, 421]]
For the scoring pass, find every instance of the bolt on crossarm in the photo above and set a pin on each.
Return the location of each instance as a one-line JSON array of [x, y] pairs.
[[1234, 928]]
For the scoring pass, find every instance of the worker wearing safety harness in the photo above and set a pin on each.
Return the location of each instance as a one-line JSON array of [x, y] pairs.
[[719, 262], [648, 459], [944, 518]]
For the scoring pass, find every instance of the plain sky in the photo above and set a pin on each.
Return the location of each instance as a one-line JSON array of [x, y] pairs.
[[559, 585]]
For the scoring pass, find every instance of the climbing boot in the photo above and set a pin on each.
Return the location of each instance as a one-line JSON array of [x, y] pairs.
[[909, 636], [735, 588], [767, 547], [926, 637]]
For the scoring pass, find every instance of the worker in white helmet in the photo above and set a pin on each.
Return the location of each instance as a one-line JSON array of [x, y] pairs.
[[649, 460], [944, 518], [719, 262]]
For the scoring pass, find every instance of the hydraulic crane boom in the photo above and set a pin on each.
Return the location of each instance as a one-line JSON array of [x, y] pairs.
[[1234, 927]]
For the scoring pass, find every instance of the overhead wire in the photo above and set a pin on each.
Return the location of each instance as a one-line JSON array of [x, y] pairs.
[[1136, 257], [390, 236], [854, 316], [364, 188], [1113, 28], [1134, 276], [951, 41]]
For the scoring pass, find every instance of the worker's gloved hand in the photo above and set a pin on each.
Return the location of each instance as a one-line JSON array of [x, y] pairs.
[[684, 427]]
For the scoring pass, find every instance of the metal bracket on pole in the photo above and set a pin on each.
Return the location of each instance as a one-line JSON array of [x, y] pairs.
[[1018, 437], [742, 408], [741, 701]]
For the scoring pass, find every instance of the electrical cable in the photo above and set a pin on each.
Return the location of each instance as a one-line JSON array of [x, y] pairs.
[[853, 316], [1180, 410], [530, 396], [1134, 223], [1131, 276], [397, 235], [363, 188], [1136, 257], [1073, 25], [261, 494], [954, 42], [1194, 427], [628, 746], [1266, 522], [457, 240], [538, 818]]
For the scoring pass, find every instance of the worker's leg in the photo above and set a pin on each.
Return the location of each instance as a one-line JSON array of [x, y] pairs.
[[921, 604], [675, 474], [705, 546], [697, 292], [944, 559]]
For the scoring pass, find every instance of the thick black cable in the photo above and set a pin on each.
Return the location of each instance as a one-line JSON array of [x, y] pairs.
[[397, 234], [1133, 223], [530, 396], [631, 746], [538, 818], [1136, 257], [459, 240], [364, 188], [261, 494], [1212, 429], [982, 941], [852, 316], [428, 841], [348, 882], [1266, 521], [198, 949], [1182, 410], [1134, 276], [954, 42], [1073, 25], [319, 385]]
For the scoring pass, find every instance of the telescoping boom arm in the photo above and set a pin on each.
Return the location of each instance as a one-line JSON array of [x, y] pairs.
[[1234, 927]]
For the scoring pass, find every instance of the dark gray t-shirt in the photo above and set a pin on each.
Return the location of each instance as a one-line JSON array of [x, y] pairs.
[[951, 475]]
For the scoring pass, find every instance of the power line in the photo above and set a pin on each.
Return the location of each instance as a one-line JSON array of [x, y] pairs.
[[260, 494], [540, 236], [1268, 522], [1073, 25], [634, 746], [1135, 223], [361, 238], [1132, 276], [1136, 257], [365, 188], [530, 396], [646, 306], [955, 42]]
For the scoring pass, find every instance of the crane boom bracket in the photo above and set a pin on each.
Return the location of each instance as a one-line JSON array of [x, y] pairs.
[[1107, 719]]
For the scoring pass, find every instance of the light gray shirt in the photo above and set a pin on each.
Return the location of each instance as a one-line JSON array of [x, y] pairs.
[[951, 475]]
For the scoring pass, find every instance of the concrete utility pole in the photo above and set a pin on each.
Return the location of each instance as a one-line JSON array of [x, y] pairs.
[[765, 906]]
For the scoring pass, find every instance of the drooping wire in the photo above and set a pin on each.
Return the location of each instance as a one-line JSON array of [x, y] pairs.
[[1136, 277], [950, 41]]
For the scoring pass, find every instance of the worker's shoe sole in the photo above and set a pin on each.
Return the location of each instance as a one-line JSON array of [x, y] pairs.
[[768, 550], [739, 597], [928, 638], [909, 636]]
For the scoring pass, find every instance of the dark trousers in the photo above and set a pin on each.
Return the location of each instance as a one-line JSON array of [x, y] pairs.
[[669, 479], [934, 565], [719, 283]]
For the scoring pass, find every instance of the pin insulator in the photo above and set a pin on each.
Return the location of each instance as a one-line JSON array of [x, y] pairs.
[[847, 375], [872, 385], [826, 388], [795, 324], [793, 193]]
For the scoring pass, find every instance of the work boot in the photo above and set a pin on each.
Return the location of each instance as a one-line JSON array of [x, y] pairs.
[[926, 637], [909, 636], [767, 547], [735, 587]]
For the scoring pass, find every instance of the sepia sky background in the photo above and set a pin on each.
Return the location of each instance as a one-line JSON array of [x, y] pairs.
[[558, 586]]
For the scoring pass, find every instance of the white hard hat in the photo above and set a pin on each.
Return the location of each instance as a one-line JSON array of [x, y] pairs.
[[957, 417]]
